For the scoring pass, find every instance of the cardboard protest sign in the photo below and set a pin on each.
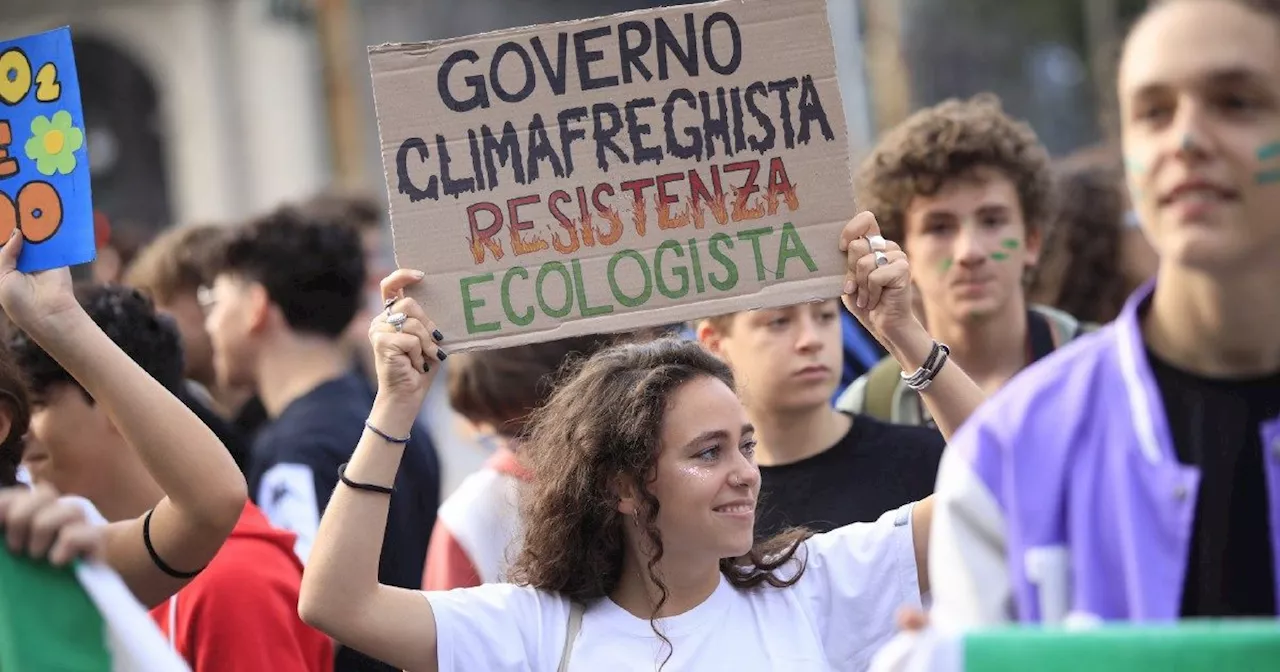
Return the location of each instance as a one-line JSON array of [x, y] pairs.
[[44, 165], [615, 173]]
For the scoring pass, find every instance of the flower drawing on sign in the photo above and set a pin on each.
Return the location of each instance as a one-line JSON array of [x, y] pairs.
[[53, 143]]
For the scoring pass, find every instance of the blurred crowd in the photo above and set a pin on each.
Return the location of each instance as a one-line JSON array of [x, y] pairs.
[[643, 499]]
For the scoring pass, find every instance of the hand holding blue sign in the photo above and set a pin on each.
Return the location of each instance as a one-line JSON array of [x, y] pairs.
[[44, 167], [33, 300]]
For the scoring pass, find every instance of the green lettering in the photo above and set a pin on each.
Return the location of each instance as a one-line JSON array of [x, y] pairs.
[[754, 236], [584, 308], [547, 269], [680, 271], [518, 320], [699, 283], [629, 301], [469, 305], [792, 247], [731, 269]]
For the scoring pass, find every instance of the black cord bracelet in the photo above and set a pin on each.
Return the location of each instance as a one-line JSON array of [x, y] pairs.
[[155, 557], [386, 436], [367, 487]]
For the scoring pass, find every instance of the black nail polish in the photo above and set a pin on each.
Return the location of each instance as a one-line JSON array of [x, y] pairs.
[[437, 335], [441, 355], [426, 367]]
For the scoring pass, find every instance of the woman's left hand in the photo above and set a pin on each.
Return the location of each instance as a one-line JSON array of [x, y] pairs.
[[877, 287], [405, 344]]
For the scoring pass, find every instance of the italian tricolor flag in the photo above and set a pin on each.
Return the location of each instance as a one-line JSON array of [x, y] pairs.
[[75, 620]]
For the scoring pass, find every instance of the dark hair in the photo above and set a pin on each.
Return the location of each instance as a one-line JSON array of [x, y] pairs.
[[13, 392], [503, 387], [130, 320], [603, 423], [949, 141], [178, 261], [1081, 270], [313, 271]]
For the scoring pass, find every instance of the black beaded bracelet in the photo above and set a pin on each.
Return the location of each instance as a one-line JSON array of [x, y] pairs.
[[155, 557], [386, 436], [367, 487]]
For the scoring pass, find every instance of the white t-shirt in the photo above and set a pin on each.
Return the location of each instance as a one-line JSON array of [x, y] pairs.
[[834, 618]]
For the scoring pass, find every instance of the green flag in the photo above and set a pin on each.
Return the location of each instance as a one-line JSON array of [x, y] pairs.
[[1186, 646], [75, 620]]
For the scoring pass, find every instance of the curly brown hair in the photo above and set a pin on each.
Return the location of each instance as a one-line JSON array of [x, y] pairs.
[[603, 423], [948, 141], [1080, 272]]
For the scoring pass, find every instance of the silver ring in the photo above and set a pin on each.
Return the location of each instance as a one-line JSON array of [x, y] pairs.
[[877, 243], [881, 259], [388, 303], [397, 320]]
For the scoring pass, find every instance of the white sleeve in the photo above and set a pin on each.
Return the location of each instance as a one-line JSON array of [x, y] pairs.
[[856, 579], [499, 627], [968, 570], [287, 497]]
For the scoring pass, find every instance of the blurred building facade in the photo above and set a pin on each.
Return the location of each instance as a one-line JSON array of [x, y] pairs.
[[195, 109]]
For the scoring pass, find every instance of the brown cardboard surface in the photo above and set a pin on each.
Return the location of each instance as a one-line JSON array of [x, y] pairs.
[[535, 219]]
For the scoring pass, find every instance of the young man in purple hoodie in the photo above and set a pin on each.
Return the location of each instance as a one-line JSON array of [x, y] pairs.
[[1135, 474]]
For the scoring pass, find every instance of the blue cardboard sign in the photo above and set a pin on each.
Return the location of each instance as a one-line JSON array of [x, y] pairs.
[[44, 163]]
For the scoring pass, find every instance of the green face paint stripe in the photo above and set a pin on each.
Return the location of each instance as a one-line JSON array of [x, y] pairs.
[[999, 256], [1133, 165], [946, 265], [1010, 243], [1267, 176], [1269, 151]]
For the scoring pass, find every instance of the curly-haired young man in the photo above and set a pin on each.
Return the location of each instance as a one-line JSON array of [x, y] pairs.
[[965, 190], [288, 285]]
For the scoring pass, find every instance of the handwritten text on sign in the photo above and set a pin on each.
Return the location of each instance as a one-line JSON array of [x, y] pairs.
[[621, 172], [44, 170]]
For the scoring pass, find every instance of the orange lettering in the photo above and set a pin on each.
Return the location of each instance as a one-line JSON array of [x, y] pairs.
[[519, 243], [8, 164], [40, 211]]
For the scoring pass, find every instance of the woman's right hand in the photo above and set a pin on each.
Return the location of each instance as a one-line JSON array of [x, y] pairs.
[[36, 522], [408, 357]]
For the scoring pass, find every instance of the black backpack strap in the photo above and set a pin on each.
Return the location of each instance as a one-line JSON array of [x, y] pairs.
[[1040, 340]]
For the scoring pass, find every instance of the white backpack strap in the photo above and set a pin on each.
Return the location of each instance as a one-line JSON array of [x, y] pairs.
[[575, 624]]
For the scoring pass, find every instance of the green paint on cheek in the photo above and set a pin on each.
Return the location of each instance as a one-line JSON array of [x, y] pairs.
[[1133, 165], [946, 265], [1269, 151], [999, 256], [1010, 244], [1267, 176]]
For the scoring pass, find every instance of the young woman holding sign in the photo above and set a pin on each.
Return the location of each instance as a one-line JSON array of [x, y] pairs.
[[638, 549]]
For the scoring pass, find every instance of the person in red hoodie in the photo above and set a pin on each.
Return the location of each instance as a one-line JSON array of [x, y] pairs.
[[239, 612]]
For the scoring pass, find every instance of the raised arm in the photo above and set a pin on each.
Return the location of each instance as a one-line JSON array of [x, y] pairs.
[[340, 591], [205, 492], [879, 295]]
